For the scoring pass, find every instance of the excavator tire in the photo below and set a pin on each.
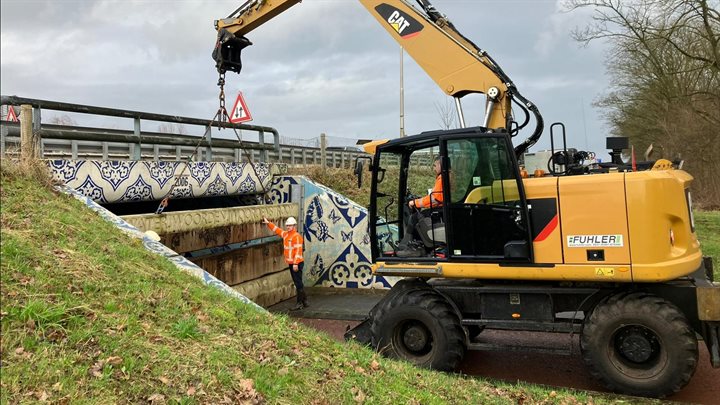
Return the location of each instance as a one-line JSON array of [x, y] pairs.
[[421, 327], [639, 344]]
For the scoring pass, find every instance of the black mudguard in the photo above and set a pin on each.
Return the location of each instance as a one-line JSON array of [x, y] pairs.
[[361, 333], [711, 335]]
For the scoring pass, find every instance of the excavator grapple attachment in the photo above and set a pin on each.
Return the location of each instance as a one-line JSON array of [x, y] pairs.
[[227, 51]]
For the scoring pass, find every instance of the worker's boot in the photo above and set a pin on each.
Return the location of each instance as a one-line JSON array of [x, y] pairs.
[[304, 300], [413, 249], [301, 301], [405, 241], [298, 304]]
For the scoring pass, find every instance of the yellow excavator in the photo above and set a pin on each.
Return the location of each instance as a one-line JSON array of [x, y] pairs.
[[609, 252]]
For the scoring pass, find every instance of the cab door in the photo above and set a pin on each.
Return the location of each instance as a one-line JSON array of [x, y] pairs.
[[487, 209]]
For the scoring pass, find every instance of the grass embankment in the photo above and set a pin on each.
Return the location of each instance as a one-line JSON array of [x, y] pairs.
[[88, 315]]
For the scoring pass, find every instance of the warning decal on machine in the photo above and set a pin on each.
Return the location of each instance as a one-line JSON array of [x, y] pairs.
[[586, 241]]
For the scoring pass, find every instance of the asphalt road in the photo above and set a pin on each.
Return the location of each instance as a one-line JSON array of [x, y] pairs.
[[547, 369]]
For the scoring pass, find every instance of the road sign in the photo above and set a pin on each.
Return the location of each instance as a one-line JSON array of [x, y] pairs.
[[11, 116], [240, 112]]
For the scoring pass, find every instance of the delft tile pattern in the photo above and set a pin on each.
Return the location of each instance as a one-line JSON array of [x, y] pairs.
[[337, 242], [108, 181], [158, 248]]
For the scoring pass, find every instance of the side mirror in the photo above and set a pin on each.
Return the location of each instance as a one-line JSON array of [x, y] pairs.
[[359, 171], [359, 168]]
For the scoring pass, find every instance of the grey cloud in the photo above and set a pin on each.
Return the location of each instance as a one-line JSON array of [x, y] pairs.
[[323, 66]]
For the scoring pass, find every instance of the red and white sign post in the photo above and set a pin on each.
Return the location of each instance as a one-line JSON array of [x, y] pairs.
[[240, 112], [11, 115]]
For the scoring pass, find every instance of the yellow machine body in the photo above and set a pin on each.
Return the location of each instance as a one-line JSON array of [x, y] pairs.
[[640, 221]]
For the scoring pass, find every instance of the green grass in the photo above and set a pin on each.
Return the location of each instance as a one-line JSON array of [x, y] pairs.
[[87, 315], [707, 224]]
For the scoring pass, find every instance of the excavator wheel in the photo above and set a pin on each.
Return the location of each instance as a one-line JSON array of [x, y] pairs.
[[421, 327], [639, 344]]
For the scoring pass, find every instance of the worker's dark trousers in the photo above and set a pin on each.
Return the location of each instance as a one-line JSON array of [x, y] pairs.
[[298, 281], [411, 231]]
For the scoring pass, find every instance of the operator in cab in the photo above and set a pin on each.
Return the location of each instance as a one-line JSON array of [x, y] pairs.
[[411, 245]]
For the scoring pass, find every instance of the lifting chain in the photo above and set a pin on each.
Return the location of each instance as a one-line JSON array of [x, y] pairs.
[[222, 118], [222, 112]]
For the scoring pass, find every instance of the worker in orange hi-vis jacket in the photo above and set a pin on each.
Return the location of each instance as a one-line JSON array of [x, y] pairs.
[[293, 244], [410, 245]]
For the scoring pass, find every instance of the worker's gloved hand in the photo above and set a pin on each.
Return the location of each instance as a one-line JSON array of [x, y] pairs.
[[265, 220]]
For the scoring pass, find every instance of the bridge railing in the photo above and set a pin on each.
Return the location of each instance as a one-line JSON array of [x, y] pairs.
[[77, 142]]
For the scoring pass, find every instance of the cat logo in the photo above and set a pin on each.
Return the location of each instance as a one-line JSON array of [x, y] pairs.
[[406, 26]]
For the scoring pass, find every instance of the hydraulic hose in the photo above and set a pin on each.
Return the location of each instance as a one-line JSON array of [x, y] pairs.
[[512, 92]]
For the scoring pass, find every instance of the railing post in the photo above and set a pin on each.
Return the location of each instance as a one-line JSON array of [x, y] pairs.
[[37, 125], [276, 140], [29, 141], [137, 150], [261, 141], [208, 149], [323, 151], [3, 136]]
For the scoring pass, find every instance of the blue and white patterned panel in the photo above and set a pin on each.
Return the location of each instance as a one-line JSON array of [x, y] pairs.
[[337, 239], [107, 181], [158, 248]]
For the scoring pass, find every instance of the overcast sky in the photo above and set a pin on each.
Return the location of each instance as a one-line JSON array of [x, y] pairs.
[[322, 66]]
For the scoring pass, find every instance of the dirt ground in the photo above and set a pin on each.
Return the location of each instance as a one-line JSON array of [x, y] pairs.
[[548, 369]]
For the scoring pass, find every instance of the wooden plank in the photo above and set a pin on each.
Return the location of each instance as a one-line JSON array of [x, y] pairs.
[[268, 290], [246, 264], [186, 221]]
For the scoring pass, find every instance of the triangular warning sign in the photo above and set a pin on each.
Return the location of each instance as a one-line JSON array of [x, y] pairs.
[[240, 112], [11, 116]]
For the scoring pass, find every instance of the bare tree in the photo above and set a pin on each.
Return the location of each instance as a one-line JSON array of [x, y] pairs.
[[664, 64], [446, 114], [63, 119], [169, 128]]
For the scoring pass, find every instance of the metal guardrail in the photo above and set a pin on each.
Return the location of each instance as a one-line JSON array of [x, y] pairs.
[[75, 142]]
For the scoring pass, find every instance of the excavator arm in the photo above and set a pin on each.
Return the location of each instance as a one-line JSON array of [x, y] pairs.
[[455, 63]]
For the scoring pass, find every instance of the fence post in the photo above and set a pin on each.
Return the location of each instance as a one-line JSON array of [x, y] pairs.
[[208, 149], [263, 153], [137, 150], [29, 141], [323, 151]]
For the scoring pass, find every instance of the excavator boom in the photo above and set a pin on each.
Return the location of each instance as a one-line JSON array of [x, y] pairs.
[[456, 64]]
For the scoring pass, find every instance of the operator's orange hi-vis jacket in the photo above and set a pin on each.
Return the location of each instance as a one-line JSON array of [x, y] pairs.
[[292, 242], [435, 196]]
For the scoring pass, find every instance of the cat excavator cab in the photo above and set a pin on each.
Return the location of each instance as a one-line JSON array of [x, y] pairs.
[[611, 255]]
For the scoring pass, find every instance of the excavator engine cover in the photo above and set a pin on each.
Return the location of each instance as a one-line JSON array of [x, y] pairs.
[[227, 51]]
